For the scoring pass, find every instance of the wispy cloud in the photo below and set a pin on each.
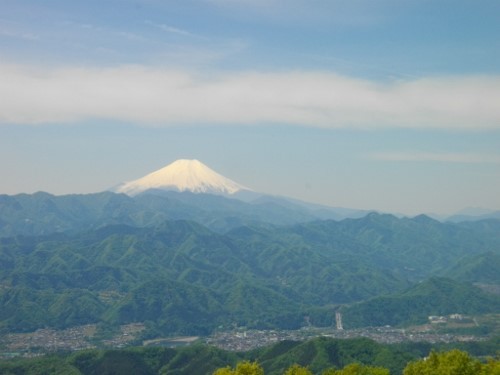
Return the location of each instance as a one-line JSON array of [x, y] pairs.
[[19, 35], [165, 97], [131, 36], [170, 29], [436, 157]]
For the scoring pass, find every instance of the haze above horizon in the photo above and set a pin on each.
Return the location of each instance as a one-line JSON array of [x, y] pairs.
[[386, 105]]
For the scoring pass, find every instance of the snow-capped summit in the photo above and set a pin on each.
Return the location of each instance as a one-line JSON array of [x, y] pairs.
[[183, 175]]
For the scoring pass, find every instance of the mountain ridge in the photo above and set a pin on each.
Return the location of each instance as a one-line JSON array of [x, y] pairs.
[[44, 213], [286, 271]]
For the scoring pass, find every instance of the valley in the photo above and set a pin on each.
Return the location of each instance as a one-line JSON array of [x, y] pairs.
[[43, 341]]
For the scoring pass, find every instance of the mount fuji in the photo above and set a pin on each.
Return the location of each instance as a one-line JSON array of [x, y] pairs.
[[183, 176], [193, 183]]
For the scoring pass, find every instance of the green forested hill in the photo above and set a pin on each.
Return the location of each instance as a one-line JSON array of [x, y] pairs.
[[182, 277], [435, 296], [482, 268], [179, 275]]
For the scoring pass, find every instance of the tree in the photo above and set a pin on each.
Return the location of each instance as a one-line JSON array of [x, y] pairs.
[[358, 369], [298, 370], [454, 362], [491, 368], [242, 368], [224, 371]]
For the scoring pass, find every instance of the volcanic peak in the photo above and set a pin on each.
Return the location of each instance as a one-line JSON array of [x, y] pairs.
[[183, 175]]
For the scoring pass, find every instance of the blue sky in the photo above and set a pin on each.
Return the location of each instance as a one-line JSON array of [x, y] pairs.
[[387, 105]]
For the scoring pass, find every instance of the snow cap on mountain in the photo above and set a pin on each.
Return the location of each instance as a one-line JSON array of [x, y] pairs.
[[183, 175]]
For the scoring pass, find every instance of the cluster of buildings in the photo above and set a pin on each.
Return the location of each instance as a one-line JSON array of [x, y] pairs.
[[242, 340], [239, 339], [434, 319], [76, 338], [47, 340]]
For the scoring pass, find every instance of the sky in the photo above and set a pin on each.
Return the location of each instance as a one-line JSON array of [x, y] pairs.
[[389, 105]]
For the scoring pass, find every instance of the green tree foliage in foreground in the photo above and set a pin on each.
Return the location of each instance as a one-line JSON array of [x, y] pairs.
[[357, 369], [454, 362], [243, 368], [298, 370], [253, 368]]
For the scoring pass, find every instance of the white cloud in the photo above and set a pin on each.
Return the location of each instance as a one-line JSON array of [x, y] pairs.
[[163, 97], [436, 157]]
